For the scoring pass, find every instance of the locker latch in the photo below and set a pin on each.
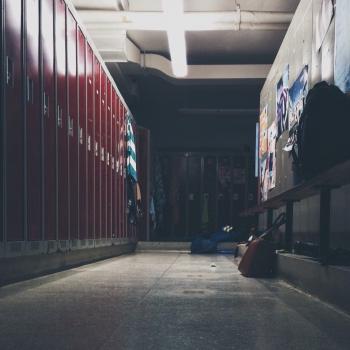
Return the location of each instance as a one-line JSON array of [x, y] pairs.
[[96, 149], [81, 136], [59, 116], [30, 90], [108, 158], [113, 163], [70, 126], [9, 71], [46, 104], [102, 154], [89, 143]]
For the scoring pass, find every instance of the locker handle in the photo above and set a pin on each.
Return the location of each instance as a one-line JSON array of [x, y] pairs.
[[70, 126], [30, 90], [9, 72], [102, 154], [59, 116], [81, 136], [96, 149], [46, 104], [89, 142]]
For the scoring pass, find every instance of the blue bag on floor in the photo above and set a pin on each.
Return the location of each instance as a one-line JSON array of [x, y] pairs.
[[203, 246], [223, 236]]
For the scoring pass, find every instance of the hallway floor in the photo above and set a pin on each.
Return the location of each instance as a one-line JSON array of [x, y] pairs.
[[165, 301]]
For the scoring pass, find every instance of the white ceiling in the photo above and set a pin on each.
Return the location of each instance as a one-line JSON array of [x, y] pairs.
[[217, 47], [207, 47]]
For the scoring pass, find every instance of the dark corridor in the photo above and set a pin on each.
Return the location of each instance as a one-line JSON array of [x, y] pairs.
[[203, 192]]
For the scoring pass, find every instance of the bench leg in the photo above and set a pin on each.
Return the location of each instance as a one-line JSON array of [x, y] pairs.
[[269, 218], [325, 220], [289, 226]]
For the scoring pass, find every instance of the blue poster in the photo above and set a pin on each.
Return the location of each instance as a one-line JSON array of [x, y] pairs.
[[282, 103], [342, 45], [297, 96]]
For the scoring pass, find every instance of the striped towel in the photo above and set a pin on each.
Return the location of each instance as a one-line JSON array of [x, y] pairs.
[[131, 149]]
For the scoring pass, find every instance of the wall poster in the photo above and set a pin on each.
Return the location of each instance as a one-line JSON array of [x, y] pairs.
[[264, 177], [263, 154], [282, 103], [272, 135], [263, 132], [342, 46], [297, 96]]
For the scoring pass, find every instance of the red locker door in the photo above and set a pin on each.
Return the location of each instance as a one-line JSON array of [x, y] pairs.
[[117, 167], [103, 154], [83, 173], [90, 96], [124, 177], [97, 74], [120, 169], [113, 162], [109, 159], [73, 130], [49, 137], [33, 122], [62, 121], [14, 122]]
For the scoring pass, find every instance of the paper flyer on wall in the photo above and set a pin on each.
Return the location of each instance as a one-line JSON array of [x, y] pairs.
[[342, 46], [264, 177], [297, 96], [282, 103], [263, 133], [263, 153], [272, 135]]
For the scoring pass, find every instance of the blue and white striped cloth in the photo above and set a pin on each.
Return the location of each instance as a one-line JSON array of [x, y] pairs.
[[131, 149]]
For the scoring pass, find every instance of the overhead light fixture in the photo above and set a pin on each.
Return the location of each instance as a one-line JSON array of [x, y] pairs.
[[173, 12]]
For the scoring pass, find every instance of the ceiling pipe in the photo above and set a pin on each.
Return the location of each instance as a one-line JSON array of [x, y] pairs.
[[192, 21]]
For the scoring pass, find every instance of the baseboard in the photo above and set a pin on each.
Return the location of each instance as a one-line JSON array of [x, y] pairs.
[[13, 269], [328, 283]]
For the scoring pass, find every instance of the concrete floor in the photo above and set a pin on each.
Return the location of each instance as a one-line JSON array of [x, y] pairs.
[[165, 301]]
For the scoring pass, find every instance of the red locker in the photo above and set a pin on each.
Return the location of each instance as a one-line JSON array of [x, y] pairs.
[[83, 152], [33, 122], [97, 75], [73, 130], [117, 167], [13, 122], [125, 228], [120, 169], [62, 121], [109, 159], [90, 95], [103, 154], [49, 137], [114, 168]]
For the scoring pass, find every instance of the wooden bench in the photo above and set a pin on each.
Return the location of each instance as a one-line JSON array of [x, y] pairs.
[[321, 184]]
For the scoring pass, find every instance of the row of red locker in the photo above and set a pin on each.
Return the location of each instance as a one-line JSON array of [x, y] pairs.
[[63, 129]]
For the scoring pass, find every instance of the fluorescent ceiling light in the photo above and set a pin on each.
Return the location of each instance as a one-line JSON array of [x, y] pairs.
[[173, 12]]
